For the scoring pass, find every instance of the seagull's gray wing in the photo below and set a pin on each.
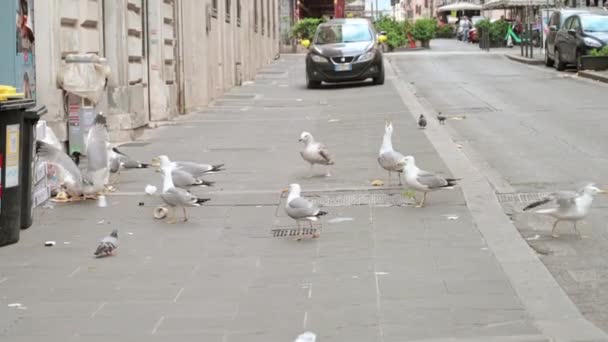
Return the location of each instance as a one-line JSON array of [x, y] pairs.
[[300, 208], [194, 169], [97, 149], [389, 161], [431, 180], [325, 154], [565, 199], [182, 179], [48, 153]]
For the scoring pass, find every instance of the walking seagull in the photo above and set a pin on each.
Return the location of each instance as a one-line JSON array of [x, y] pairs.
[[107, 245], [571, 206], [315, 152], [424, 181], [387, 157], [195, 169], [184, 179], [301, 209], [175, 197], [441, 118]]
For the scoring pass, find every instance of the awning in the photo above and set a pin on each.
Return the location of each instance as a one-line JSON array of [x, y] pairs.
[[498, 4], [460, 6]]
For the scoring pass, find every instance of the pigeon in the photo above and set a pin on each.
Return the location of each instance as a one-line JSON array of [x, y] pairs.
[[441, 118], [387, 157], [301, 209], [176, 197], [571, 206], [315, 152], [423, 181], [107, 245], [422, 122]]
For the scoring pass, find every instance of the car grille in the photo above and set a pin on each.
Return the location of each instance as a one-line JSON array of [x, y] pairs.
[[341, 60]]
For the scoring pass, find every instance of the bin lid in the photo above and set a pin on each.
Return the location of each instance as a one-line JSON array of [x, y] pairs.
[[16, 104], [9, 93]]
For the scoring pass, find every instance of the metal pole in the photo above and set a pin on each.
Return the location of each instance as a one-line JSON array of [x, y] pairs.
[[377, 10]]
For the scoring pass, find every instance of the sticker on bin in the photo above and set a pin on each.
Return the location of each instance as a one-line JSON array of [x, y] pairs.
[[11, 176]]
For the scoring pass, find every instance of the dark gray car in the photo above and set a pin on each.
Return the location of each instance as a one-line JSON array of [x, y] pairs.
[[344, 50], [556, 23], [580, 34]]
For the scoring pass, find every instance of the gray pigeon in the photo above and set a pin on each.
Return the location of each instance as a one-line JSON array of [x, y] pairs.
[[422, 121], [107, 245], [441, 118]]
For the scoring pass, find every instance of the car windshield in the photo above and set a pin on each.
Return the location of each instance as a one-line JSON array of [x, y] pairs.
[[343, 33], [595, 23]]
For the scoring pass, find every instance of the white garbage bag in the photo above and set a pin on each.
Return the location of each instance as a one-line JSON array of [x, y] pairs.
[[84, 75]]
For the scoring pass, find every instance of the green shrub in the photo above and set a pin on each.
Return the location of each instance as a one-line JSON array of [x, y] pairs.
[[408, 27], [306, 28], [424, 29], [498, 30], [394, 31], [600, 53], [445, 31]]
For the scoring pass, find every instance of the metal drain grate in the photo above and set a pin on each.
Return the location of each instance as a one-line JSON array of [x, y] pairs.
[[284, 232], [136, 144], [357, 198], [521, 198]]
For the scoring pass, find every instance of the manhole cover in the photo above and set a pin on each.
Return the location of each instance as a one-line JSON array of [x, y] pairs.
[[521, 198]]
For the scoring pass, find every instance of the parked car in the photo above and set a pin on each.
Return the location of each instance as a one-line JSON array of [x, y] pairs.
[[580, 34], [556, 21], [344, 50]]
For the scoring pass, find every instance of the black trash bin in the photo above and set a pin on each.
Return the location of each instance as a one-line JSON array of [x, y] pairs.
[[30, 118], [11, 124]]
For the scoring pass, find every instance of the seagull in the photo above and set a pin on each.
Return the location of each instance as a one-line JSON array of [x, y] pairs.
[[182, 173], [315, 152], [195, 169], [68, 173], [176, 197], [98, 163], [107, 245], [423, 181], [422, 121], [571, 206], [441, 118], [128, 162], [301, 209], [387, 157]]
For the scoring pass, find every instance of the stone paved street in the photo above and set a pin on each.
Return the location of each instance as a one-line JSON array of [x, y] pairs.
[[392, 273]]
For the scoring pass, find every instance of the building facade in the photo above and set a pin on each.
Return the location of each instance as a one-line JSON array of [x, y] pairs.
[[165, 57]]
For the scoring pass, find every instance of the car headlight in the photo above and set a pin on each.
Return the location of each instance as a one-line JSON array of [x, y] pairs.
[[592, 42], [368, 56], [319, 59]]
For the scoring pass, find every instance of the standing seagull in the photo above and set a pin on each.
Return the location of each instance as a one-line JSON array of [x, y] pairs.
[[195, 169], [184, 179], [387, 157], [301, 209], [315, 152], [68, 173], [422, 180], [107, 245], [176, 197], [571, 206], [422, 122]]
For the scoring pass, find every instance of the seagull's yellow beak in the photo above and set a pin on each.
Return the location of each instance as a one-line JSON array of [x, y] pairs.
[[602, 191], [285, 190]]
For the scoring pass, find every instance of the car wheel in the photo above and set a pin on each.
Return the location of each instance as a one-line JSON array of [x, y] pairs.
[[559, 65], [380, 79], [548, 61]]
